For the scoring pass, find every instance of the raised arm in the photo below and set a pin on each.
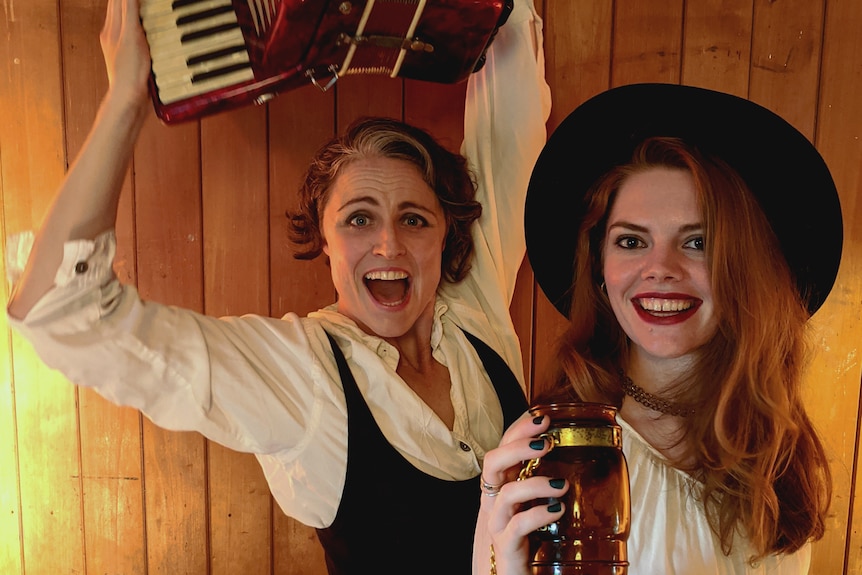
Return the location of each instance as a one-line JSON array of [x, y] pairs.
[[508, 103], [507, 106], [86, 203]]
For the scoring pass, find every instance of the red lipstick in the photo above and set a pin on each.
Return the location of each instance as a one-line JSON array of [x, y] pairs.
[[665, 308]]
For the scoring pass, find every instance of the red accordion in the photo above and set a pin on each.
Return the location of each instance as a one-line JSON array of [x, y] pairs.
[[214, 55]]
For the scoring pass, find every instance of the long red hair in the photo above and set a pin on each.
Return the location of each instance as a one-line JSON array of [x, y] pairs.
[[763, 469]]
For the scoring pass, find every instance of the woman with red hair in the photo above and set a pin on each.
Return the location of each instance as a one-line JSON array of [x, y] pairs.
[[688, 235]]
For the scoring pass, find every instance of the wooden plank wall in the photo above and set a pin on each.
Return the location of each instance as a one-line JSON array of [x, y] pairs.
[[86, 487]]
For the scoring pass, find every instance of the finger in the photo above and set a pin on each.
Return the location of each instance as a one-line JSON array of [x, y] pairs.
[[510, 543], [515, 496], [528, 425], [503, 463], [525, 522]]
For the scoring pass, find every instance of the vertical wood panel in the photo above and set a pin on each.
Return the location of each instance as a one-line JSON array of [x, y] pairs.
[[167, 195], [786, 56], [12, 85], [236, 281], [437, 108], [358, 96], [33, 165], [110, 436], [296, 548], [786, 52], [717, 45], [299, 123], [839, 323], [647, 42], [11, 552], [577, 53], [49, 467]]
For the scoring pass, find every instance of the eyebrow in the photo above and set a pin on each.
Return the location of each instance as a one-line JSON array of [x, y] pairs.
[[638, 228], [373, 201]]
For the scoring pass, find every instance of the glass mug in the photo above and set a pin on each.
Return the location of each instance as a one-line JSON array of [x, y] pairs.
[[590, 537]]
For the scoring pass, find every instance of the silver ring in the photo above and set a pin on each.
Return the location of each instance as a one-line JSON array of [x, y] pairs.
[[489, 489]]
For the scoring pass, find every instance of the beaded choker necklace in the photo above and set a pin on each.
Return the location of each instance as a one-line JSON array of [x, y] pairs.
[[651, 401]]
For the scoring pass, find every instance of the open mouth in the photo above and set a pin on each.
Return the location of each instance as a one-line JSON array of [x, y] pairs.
[[388, 288], [659, 307]]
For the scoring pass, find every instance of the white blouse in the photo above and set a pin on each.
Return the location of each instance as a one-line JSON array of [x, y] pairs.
[[670, 533]]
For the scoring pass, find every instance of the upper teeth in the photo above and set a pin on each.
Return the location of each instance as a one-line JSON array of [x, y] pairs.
[[386, 275], [656, 304]]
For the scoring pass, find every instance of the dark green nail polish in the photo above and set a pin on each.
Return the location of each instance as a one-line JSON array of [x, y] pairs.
[[537, 444], [539, 419], [558, 483], [554, 507]]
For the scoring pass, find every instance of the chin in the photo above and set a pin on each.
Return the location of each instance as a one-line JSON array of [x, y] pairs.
[[388, 331], [378, 324]]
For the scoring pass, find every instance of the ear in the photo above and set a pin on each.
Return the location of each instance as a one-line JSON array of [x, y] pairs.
[[325, 247]]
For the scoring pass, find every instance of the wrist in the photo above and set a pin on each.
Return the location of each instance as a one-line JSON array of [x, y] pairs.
[[128, 105]]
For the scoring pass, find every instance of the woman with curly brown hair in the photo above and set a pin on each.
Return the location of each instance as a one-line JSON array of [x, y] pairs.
[[370, 412], [705, 231]]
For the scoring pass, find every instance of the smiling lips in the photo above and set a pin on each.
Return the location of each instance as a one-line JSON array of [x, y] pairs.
[[665, 310], [389, 288]]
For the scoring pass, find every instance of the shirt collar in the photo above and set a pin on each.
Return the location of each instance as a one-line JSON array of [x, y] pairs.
[[331, 315]]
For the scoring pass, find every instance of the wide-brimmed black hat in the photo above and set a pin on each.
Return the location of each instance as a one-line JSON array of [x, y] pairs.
[[781, 167]]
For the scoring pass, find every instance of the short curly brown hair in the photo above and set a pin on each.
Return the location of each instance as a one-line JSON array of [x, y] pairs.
[[445, 172]]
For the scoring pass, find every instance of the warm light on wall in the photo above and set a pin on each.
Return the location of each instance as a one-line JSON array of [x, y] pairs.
[[10, 495]]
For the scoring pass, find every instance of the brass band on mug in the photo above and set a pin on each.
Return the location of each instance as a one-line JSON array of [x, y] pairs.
[[586, 436]]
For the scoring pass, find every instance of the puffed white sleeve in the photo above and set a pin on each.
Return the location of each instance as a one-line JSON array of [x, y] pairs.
[[246, 382]]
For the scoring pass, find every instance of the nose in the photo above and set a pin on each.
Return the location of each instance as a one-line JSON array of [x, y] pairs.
[[663, 264], [388, 243]]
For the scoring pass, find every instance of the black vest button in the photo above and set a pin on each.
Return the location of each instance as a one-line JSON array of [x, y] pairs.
[[81, 267], [464, 446]]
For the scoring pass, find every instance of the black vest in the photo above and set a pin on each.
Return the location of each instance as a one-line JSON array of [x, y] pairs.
[[393, 518]]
